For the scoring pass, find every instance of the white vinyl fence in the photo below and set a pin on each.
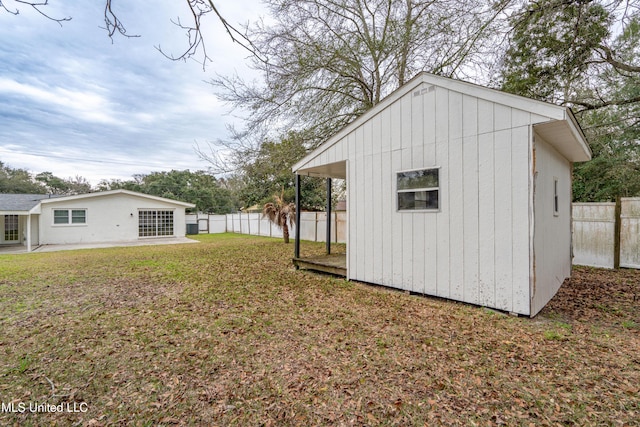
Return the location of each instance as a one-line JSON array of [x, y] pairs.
[[595, 241], [313, 225], [604, 236]]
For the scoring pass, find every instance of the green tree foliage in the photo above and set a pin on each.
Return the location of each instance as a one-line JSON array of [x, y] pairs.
[[18, 181], [270, 172], [21, 181], [585, 54], [614, 131], [61, 186], [204, 190], [552, 44]]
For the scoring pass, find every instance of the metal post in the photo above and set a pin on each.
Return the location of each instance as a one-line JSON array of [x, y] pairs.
[[616, 234], [296, 249], [328, 216]]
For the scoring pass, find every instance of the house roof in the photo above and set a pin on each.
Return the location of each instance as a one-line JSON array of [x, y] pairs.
[[113, 192], [25, 203], [21, 202], [562, 131]]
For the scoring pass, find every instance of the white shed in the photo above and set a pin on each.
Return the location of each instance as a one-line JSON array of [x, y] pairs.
[[458, 191], [101, 217]]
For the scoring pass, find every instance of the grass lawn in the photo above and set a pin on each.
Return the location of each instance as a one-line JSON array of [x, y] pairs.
[[226, 333]]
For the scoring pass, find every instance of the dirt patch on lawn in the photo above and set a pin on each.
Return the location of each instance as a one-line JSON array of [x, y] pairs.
[[606, 297]]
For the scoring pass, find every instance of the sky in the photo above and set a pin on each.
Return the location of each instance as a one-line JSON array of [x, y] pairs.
[[75, 103]]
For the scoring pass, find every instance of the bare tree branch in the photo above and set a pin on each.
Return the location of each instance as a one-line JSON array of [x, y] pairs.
[[36, 5], [196, 48], [610, 59]]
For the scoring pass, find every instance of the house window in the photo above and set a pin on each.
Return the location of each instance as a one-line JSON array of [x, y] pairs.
[[152, 223], [556, 205], [418, 190], [11, 228], [69, 216]]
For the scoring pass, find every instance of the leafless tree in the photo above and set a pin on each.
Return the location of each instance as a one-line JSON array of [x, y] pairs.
[[196, 44], [325, 62]]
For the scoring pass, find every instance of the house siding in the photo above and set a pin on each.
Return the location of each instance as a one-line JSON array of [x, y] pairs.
[[109, 219]]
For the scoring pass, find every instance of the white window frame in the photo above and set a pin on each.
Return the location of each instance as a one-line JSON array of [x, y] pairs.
[[556, 197], [11, 234], [70, 217], [415, 190]]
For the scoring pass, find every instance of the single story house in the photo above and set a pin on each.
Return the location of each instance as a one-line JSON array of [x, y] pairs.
[[107, 216], [458, 191]]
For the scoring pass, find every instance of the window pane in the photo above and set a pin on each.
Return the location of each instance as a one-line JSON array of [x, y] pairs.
[[427, 178], [11, 228], [61, 216], [146, 223], [78, 216], [413, 200], [165, 223]]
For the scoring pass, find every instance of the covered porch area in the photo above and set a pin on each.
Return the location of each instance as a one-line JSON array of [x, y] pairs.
[[332, 262], [19, 231]]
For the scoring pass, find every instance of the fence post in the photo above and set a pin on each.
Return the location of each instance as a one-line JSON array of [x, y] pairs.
[[328, 222], [616, 234]]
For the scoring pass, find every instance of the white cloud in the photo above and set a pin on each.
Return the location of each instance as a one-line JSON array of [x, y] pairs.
[[84, 105], [74, 103]]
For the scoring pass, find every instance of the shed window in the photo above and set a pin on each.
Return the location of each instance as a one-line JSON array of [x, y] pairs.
[[418, 190], [556, 205], [69, 216]]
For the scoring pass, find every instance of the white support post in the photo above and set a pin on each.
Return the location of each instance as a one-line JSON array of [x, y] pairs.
[[29, 233]]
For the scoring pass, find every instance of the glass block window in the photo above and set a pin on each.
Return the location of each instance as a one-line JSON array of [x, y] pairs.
[[418, 189], [155, 223]]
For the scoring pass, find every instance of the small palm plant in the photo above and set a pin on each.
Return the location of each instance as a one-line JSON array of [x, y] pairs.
[[281, 213]]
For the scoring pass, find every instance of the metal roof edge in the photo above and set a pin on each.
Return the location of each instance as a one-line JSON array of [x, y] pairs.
[[118, 191]]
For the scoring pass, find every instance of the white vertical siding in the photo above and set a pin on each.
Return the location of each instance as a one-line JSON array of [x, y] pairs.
[[471, 219], [552, 233], [520, 172], [486, 220], [443, 247], [476, 247], [503, 218]]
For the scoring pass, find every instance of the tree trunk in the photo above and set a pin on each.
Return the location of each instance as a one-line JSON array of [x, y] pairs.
[[285, 232]]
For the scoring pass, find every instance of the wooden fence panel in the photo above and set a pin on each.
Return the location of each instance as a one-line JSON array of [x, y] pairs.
[[593, 234], [630, 233]]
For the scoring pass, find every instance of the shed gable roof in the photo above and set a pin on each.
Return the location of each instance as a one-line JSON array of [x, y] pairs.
[[573, 146]]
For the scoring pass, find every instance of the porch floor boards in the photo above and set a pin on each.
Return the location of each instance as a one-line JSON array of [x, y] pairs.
[[332, 264]]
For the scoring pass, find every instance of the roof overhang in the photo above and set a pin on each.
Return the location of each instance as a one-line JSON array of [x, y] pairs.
[[114, 192], [331, 170], [566, 137], [15, 212]]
